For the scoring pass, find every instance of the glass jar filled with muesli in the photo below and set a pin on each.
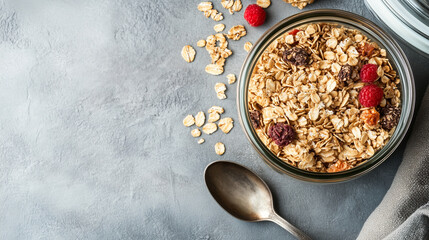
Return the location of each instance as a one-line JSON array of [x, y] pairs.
[[325, 96]]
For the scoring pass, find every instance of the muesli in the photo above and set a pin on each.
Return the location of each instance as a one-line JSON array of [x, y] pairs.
[[324, 98]]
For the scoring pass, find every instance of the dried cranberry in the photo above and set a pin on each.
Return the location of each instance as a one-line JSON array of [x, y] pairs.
[[255, 117], [282, 134], [296, 56], [345, 72], [294, 32]]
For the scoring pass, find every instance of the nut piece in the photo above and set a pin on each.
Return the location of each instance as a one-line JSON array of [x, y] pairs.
[[188, 53], [236, 32], [219, 148], [216, 109], [219, 27], [220, 89], [248, 46], [201, 43], [299, 3], [200, 118], [263, 3], [214, 69], [210, 128], [231, 78], [196, 132], [189, 121], [201, 141], [205, 6], [213, 117], [226, 124]]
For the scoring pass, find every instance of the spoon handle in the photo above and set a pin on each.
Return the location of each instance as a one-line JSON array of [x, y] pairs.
[[289, 227]]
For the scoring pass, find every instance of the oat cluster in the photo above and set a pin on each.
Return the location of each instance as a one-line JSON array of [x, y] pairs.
[[209, 12], [314, 89], [299, 3], [232, 6]]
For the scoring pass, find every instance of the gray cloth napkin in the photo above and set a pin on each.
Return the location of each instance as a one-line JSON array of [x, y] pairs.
[[404, 211]]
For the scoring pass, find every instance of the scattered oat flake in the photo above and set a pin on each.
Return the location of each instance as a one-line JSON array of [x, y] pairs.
[[220, 87], [236, 32], [201, 43], [219, 148], [210, 128], [200, 118], [248, 46], [219, 27], [213, 117], [226, 124], [221, 95], [189, 121], [227, 3], [205, 6], [231, 78], [263, 3], [201, 141], [237, 6], [196, 132], [216, 109], [188, 53], [299, 3], [214, 69]]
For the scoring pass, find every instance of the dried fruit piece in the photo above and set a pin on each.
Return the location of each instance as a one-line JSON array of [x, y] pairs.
[[370, 95], [390, 117], [248, 46], [205, 6], [196, 132], [226, 124], [201, 141], [231, 78], [188, 121], [345, 73], [294, 32], [201, 43], [366, 49], [296, 56], [216, 109], [214, 69], [370, 116], [219, 148], [263, 3], [236, 32], [219, 27], [200, 118], [282, 134], [254, 15], [210, 128], [368, 73], [338, 167], [255, 117], [213, 117], [188, 53]]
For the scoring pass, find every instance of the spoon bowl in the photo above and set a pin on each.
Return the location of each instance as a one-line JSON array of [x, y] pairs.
[[244, 195]]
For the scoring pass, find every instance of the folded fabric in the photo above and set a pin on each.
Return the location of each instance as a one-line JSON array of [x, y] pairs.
[[403, 212]]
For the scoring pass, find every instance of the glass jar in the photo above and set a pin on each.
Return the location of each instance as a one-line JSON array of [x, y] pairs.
[[396, 57]]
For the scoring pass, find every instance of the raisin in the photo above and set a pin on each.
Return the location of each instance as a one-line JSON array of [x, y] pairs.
[[390, 117], [296, 56], [282, 134], [345, 73], [370, 116], [255, 117]]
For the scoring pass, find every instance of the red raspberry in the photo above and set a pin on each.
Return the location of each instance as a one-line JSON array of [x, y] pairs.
[[254, 15], [368, 73], [370, 95]]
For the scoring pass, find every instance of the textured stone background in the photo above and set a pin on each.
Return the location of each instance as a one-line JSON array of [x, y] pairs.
[[92, 96]]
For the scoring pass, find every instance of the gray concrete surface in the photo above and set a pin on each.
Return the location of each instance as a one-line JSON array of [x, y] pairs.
[[92, 96]]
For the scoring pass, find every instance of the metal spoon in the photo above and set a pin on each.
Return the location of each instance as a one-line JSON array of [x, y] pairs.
[[244, 195]]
